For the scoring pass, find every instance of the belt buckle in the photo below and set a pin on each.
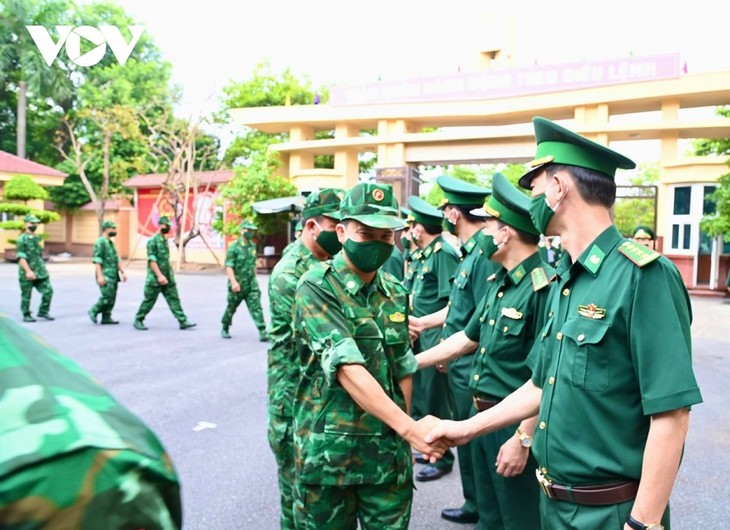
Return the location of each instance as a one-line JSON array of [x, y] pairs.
[[545, 484]]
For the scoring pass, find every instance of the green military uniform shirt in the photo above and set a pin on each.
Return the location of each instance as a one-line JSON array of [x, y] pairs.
[[505, 325], [616, 348], [283, 373], [395, 265], [241, 257], [432, 283], [29, 247], [339, 320], [158, 250], [105, 254], [413, 263]]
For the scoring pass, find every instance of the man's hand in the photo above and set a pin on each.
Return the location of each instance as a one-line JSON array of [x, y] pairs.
[[432, 451], [512, 458], [235, 286], [30, 275], [101, 280], [415, 327], [162, 280], [450, 432]]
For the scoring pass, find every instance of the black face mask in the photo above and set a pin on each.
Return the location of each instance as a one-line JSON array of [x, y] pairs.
[[33, 228], [112, 233], [165, 229]]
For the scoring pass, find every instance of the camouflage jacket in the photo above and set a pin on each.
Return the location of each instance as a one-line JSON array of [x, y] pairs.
[[71, 457], [338, 319], [158, 250], [283, 367], [29, 248], [241, 257], [105, 254]]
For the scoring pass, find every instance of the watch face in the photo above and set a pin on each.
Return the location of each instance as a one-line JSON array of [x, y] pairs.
[[526, 442]]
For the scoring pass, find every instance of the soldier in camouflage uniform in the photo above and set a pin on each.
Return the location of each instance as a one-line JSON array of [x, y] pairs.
[[351, 423], [318, 242], [160, 279], [32, 271], [71, 457], [109, 271], [242, 284]]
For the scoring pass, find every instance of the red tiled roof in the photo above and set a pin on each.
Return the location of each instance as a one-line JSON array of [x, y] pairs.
[[14, 164], [155, 180]]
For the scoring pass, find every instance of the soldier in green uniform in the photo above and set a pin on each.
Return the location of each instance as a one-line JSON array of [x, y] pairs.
[[32, 271], [71, 457], [612, 380], [504, 327], [430, 293], [469, 285], [242, 284], [352, 428], [160, 279], [318, 242], [109, 271], [412, 255], [644, 235]]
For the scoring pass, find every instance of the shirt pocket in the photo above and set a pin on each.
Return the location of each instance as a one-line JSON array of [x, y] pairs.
[[344, 417], [591, 364]]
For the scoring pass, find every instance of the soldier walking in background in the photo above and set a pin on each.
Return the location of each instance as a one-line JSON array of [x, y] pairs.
[[242, 284], [32, 271], [109, 271], [160, 279]]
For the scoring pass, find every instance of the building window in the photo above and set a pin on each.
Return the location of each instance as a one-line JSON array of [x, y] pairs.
[[675, 236], [682, 196], [708, 203], [687, 233]]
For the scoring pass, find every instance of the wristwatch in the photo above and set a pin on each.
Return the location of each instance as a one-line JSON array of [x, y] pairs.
[[525, 439], [638, 525]]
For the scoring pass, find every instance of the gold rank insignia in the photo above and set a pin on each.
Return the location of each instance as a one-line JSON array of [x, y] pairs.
[[397, 317], [591, 311], [511, 312]]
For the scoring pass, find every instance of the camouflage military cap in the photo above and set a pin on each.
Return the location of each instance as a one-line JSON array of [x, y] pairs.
[[424, 213], [248, 225], [30, 218], [372, 204], [164, 220], [108, 224], [323, 202]]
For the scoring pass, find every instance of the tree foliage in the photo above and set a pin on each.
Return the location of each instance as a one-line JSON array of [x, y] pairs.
[[632, 212], [718, 223], [478, 175], [17, 192]]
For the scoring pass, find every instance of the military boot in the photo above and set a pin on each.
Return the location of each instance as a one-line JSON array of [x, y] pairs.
[[225, 333], [28, 318], [138, 324], [93, 315], [186, 324]]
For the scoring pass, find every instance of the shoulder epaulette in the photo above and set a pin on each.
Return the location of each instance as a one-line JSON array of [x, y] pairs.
[[638, 254], [539, 279], [438, 246]]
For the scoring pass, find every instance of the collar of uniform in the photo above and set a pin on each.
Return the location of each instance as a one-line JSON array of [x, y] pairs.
[[521, 271], [595, 254], [352, 282], [432, 246], [470, 245]]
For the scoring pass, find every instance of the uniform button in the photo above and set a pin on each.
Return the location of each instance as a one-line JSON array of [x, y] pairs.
[[566, 291], [581, 337], [550, 314], [476, 377], [481, 319], [542, 425], [543, 470], [444, 325], [483, 350], [505, 329], [500, 294], [449, 303], [491, 322], [551, 380], [559, 336]]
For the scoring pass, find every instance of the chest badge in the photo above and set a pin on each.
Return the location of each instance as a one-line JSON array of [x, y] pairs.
[[511, 312], [591, 311], [397, 317]]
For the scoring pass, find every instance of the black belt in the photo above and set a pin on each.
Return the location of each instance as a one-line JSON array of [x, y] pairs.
[[482, 404], [600, 495]]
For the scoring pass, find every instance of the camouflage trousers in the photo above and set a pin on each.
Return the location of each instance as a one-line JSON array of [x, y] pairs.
[[375, 506], [106, 301], [252, 295], [281, 441], [43, 286], [169, 291]]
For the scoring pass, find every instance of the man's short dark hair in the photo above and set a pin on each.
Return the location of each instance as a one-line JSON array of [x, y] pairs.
[[594, 187], [432, 230], [465, 211], [526, 237]]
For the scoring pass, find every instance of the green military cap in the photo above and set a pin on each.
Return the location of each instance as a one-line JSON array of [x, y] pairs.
[[405, 213], [509, 205], [108, 224], [323, 202], [164, 220], [372, 204], [458, 192], [424, 213], [558, 145], [643, 232], [248, 225], [30, 218]]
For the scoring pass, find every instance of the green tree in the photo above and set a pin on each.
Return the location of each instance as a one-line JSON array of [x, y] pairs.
[[478, 175], [17, 192], [717, 223], [630, 212], [256, 182]]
